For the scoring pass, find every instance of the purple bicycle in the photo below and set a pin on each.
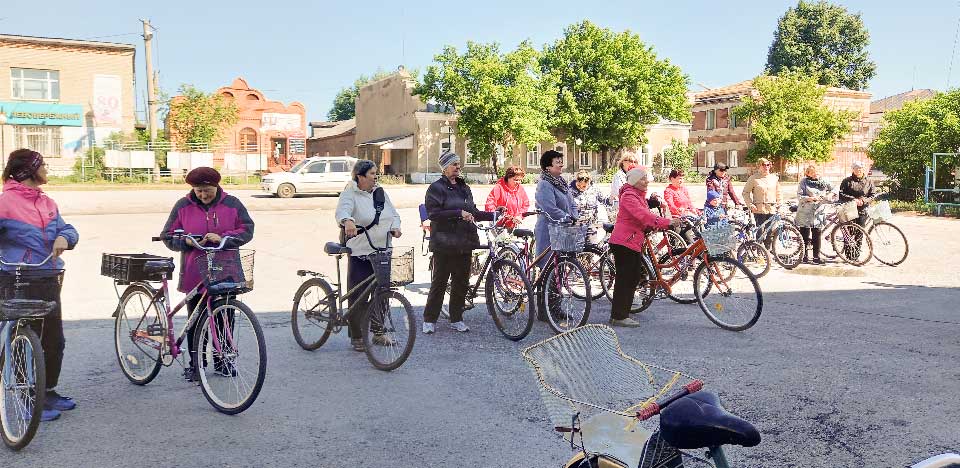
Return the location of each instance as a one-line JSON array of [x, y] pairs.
[[231, 359]]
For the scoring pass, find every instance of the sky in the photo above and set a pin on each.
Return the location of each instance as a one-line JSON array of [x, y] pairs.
[[307, 51]]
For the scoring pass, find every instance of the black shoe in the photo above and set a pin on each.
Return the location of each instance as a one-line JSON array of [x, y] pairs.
[[817, 261], [190, 374]]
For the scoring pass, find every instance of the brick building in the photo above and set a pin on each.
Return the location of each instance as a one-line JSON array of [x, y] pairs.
[[62, 96]]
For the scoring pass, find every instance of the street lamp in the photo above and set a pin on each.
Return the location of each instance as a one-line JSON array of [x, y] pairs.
[[703, 144]]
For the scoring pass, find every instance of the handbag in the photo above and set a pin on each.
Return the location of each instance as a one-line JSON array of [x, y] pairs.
[[848, 212]]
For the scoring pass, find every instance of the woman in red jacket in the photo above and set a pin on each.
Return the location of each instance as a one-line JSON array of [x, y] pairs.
[[634, 221], [509, 193], [678, 201]]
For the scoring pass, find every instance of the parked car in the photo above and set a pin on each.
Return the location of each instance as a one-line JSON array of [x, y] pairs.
[[312, 175]]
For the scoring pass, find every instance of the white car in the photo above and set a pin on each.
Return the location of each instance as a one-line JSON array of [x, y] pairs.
[[312, 175]]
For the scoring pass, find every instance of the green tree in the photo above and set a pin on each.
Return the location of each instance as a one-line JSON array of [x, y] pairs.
[[679, 155], [195, 117], [611, 86], [789, 121], [500, 99], [824, 41], [345, 103], [912, 134]]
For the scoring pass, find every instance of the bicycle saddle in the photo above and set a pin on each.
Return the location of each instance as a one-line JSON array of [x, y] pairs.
[[698, 420], [15, 309], [158, 266], [333, 248], [608, 227], [522, 232], [227, 287]]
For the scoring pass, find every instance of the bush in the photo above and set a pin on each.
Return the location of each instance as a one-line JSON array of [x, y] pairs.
[[391, 179], [94, 170]]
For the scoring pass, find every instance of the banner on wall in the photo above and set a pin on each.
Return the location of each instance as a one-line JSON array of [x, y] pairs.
[[280, 122], [107, 100]]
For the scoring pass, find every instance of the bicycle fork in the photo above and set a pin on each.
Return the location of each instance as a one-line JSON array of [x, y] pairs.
[[5, 334]]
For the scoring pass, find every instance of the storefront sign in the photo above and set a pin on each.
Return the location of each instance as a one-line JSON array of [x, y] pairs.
[[43, 114], [280, 122]]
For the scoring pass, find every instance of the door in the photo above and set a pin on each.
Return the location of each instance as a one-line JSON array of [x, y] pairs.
[[338, 175], [278, 150], [313, 177]]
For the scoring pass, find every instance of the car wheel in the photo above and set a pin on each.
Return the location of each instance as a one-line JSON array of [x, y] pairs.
[[286, 191]]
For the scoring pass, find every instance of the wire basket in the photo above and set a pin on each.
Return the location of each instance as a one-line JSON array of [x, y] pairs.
[[720, 238], [227, 269], [567, 238], [880, 211], [393, 266], [23, 295], [740, 216]]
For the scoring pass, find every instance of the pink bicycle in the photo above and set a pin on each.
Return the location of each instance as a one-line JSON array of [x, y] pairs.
[[231, 361]]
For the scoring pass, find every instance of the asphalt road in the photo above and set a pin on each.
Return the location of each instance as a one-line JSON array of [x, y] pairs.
[[840, 371]]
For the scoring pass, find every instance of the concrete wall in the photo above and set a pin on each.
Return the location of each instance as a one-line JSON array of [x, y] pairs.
[[387, 108], [339, 145]]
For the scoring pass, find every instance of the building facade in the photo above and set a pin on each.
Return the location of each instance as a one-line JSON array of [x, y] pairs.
[[62, 96], [333, 138], [720, 137]]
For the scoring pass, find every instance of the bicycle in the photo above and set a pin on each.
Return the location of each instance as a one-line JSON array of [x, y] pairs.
[[786, 242], [751, 253], [845, 238], [562, 284], [143, 331], [23, 369], [387, 320], [665, 244], [601, 401]]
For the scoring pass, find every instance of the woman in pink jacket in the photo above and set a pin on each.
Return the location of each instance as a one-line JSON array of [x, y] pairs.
[[634, 221], [509, 193]]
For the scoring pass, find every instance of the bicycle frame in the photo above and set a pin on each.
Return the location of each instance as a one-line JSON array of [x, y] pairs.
[[696, 250]]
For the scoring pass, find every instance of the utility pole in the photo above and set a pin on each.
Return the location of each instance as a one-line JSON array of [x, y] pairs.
[[151, 90]]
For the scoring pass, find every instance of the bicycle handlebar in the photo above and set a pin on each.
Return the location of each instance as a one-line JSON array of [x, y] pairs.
[[365, 232], [654, 409], [179, 234], [28, 265]]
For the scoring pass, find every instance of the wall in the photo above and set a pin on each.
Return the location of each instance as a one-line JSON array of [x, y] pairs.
[[339, 145]]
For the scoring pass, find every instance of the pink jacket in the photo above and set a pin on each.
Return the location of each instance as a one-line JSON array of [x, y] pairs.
[[678, 200], [515, 199], [635, 219]]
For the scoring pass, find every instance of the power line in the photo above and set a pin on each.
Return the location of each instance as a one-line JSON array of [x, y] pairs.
[[112, 35]]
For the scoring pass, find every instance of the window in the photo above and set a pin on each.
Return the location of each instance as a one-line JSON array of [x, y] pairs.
[[36, 85], [733, 159], [711, 119], [317, 168], [584, 159], [248, 140], [732, 118], [447, 141], [469, 157], [533, 156], [710, 159], [44, 140], [339, 166]]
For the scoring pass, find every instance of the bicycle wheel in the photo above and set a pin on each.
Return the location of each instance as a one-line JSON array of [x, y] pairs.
[[826, 245], [731, 296], [23, 380], [608, 275], [510, 299], [565, 309], [788, 245], [389, 330], [314, 313], [890, 246], [590, 258], [140, 334], [755, 257], [681, 291], [851, 243], [231, 355], [646, 291]]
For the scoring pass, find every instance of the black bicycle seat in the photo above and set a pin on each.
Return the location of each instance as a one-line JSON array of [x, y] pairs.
[[227, 288], [158, 266], [608, 227], [333, 248], [522, 232], [16, 309], [699, 421]]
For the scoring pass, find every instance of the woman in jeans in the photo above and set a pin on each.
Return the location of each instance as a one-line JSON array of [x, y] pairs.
[[356, 207], [30, 230], [627, 242]]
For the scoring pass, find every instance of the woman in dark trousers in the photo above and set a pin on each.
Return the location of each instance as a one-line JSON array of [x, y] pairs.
[[30, 230], [861, 190], [453, 237]]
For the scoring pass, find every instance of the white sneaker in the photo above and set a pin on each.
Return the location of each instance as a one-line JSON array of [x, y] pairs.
[[428, 328], [460, 327]]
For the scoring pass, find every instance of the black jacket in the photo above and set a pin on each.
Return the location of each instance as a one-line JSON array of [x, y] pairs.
[[853, 188], [449, 233]]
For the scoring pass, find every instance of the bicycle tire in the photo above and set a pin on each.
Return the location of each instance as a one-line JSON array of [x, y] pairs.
[[228, 358], [22, 438], [882, 241], [522, 313], [646, 291], [375, 322], [721, 285], [687, 268], [755, 257], [843, 234], [300, 318], [139, 355], [592, 268], [826, 246], [608, 275], [782, 254], [550, 294]]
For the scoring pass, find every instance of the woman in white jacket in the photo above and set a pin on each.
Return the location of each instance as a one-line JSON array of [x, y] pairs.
[[355, 208]]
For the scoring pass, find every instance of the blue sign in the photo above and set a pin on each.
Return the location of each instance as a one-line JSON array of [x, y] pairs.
[[43, 113]]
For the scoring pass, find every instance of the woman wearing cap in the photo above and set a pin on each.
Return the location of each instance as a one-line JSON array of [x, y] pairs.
[[356, 208], [859, 189], [627, 242], [762, 191], [452, 212], [30, 230], [719, 181], [208, 211], [812, 191], [509, 194]]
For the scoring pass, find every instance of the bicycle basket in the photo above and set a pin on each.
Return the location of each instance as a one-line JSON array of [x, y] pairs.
[[567, 238], [21, 295], [741, 216], [130, 267], [719, 239], [585, 379], [847, 212], [393, 266], [227, 271], [879, 211]]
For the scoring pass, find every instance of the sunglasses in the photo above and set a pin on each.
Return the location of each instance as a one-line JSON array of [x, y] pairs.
[[767, 165]]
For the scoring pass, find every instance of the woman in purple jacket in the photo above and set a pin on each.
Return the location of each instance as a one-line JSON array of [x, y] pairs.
[[208, 211]]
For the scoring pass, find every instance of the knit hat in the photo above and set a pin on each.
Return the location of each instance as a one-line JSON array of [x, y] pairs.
[[856, 165], [203, 176], [33, 163], [447, 159], [712, 195], [637, 173]]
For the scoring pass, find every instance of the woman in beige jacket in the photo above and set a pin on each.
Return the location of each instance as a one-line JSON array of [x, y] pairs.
[[762, 191]]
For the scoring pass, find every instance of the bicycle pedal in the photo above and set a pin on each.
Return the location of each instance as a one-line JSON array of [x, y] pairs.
[[155, 330]]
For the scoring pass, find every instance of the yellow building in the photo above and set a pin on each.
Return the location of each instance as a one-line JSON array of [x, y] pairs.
[[61, 96]]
